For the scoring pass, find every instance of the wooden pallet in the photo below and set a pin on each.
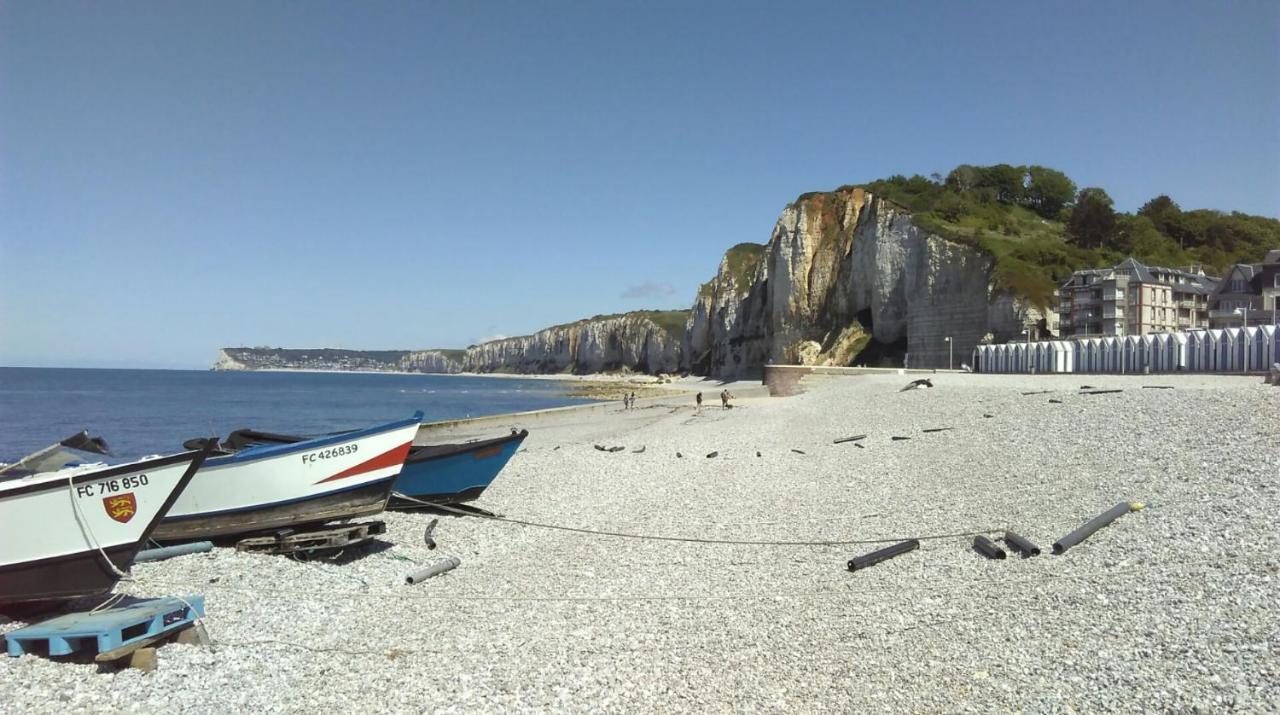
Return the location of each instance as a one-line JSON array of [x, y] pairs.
[[313, 542], [108, 635]]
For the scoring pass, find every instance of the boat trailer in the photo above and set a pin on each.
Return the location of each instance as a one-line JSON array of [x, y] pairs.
[[322, 541]]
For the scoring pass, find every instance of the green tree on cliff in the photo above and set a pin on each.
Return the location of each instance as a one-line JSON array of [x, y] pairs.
[[1048, 190], [1093, 219]]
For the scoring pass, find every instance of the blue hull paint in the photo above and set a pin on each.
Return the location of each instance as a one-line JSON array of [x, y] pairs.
[[455, 473]]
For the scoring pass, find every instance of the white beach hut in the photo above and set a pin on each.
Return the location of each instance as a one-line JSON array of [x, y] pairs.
[[1176, 352], [1061, 355]]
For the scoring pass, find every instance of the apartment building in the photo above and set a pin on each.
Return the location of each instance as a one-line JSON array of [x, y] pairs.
[[1253, 289], [1134, 299]]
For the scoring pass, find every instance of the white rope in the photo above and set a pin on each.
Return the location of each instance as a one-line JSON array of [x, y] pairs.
[[86, 530]]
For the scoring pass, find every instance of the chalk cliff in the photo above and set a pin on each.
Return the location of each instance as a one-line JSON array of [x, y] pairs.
[[434, 361], [632, 340], [845, 278]]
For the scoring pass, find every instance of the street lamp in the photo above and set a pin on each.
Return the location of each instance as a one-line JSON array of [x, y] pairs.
[[951, 351], [1244, 336]]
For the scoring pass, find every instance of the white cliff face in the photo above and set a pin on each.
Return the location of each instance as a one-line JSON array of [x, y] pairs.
[[842, 267], [226, 361], [430, 361], [596, 345]]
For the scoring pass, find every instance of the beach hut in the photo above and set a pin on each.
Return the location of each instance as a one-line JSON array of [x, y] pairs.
[[1061, 355], [1154, 354], [1017, 357], [1198, 351], [1131, 349], [1000, 359], [1112, 354], [1087, 355], [1176, 352], [1271, 338], [1219, 351], [1256, 349]]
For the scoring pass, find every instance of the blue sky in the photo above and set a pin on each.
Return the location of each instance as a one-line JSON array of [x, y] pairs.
[[176, 177]]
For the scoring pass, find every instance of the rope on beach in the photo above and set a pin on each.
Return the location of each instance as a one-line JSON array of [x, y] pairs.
[[695, 539]]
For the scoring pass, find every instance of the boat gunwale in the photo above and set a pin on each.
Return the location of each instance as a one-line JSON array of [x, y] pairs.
[[53, 480], [264, 451]]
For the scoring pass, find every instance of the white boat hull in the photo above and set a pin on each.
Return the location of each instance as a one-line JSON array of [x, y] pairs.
[[278, 486], [55, 527]]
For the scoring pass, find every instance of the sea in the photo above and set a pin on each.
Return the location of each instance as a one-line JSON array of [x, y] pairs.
[[143, 412]]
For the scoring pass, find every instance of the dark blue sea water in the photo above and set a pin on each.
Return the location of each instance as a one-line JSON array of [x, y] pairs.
[[142, 412]]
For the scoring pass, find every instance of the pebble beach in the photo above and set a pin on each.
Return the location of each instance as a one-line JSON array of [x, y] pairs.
[[744, 602]]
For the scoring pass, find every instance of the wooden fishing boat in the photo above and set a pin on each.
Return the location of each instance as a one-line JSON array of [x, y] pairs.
[[71, 532], [259, 485], [454, 473]]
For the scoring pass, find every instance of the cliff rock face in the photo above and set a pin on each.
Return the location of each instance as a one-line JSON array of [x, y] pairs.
[[595, 345], [227, 361], [432, 361], [845, 274]]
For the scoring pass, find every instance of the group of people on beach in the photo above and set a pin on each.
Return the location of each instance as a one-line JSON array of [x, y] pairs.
[[725, 396], [628, 401]]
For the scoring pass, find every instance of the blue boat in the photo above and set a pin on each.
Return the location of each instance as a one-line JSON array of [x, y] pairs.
[[454, 473]]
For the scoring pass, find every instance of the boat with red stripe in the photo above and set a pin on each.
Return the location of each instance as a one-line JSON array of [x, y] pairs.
[[258, 487]]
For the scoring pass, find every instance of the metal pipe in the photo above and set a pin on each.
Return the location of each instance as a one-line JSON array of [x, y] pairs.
[[1061, 545], [861, 562], [416, 577], [987, 547], [1021, 544], [168, 552]]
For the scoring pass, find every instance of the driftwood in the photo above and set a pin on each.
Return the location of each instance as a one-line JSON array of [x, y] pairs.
[[797, 451], [854, 438], [898, 439], [1101, 392], [1037, 392], [937, 429], [1055, 402], [638, 451], [1157, 387], [713, 454]]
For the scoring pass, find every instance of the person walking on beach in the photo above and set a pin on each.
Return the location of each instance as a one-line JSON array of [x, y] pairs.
[[725, 396], [633, 400], [699, 399], [626, 401]]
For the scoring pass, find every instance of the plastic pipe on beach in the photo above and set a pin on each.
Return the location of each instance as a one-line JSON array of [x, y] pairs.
[[1061, 545], [858, 563], [168, 552], [416, 577], [987, 547], [1021, 544]]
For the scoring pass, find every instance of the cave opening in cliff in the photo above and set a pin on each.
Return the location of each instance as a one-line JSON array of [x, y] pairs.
[[877, 353]]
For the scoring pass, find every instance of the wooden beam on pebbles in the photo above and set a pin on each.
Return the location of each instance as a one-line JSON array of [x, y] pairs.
[[854, 438]]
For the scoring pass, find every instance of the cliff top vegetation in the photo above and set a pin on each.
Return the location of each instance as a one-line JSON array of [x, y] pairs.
[[742, 261], [1039, 227], [670, 321]]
